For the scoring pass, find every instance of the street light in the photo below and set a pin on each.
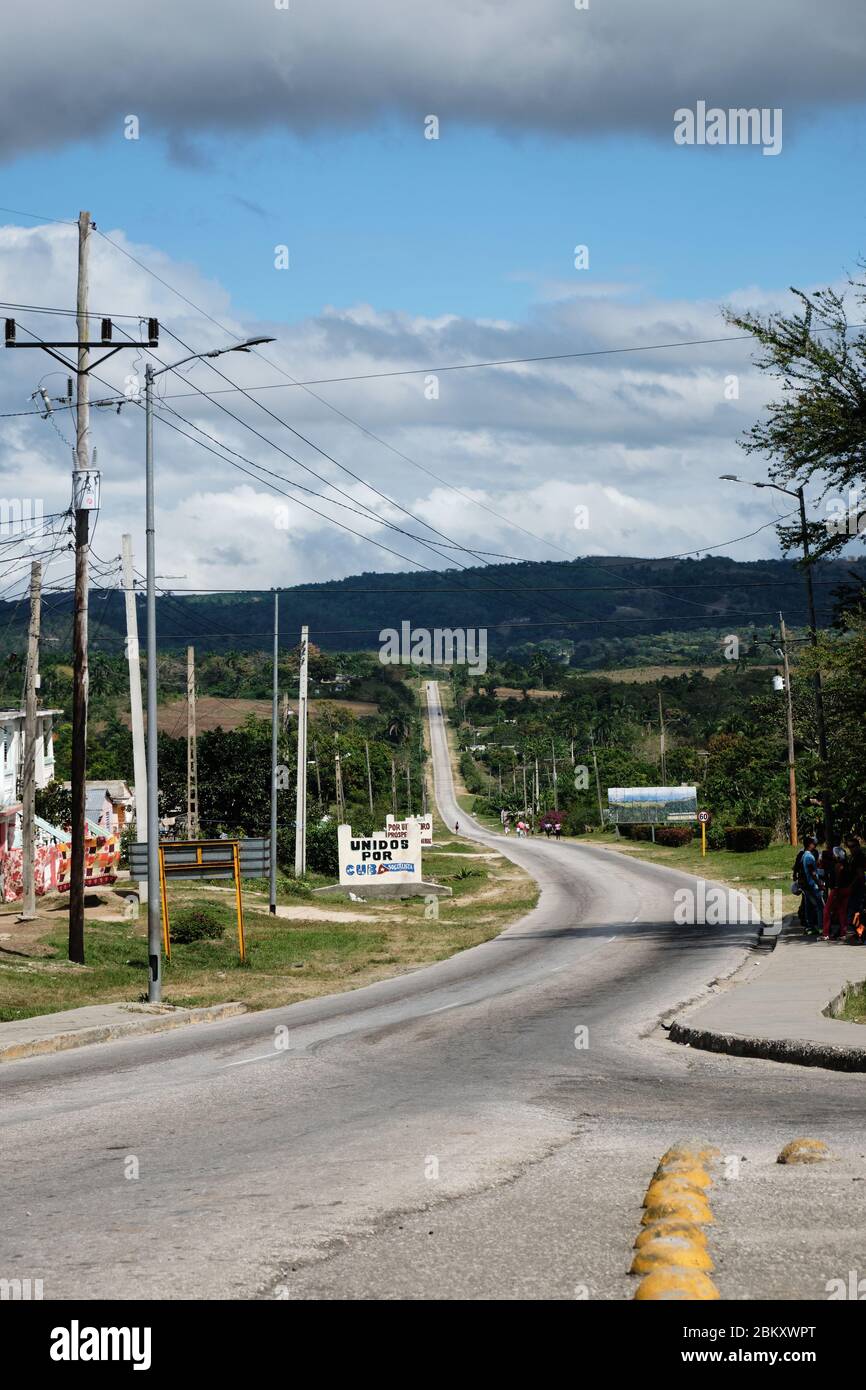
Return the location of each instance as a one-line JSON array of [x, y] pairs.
[[154, 924], [813, 637]]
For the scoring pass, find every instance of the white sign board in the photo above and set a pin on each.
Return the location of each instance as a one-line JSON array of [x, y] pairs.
[[424, 822], [389, 855]]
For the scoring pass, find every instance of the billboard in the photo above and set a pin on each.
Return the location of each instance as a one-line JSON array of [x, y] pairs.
[[425, 823], [387, 855], [651, 805]]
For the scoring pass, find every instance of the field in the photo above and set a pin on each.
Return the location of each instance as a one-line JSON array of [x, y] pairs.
[[212, 712]]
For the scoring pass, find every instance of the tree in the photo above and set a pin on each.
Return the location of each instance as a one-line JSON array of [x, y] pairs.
[[814, 431]]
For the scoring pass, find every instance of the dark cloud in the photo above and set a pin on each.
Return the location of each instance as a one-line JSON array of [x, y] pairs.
[[229, 65]]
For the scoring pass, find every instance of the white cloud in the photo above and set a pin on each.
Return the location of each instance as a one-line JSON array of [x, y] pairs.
[[638, 439]]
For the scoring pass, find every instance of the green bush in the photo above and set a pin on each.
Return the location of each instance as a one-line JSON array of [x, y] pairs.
[[204, 923], [744, 838], [715, 836]]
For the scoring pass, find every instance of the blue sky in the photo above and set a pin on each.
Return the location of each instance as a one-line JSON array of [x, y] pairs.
[[473, 224]]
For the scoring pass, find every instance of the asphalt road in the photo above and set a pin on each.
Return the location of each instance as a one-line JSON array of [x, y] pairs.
[[440, 1135]]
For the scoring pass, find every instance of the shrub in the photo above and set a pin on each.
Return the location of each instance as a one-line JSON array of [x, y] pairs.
[[204, 923], [743, 838], [673, 834], [715, 836]]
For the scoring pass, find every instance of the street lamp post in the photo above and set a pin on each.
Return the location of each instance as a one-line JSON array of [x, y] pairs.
[[154, 922], [813, 637]]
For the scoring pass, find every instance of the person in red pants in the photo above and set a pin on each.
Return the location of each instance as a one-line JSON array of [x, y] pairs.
[[836, 905]]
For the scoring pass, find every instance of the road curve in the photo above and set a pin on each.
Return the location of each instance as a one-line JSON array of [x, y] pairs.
[[437, 1135]]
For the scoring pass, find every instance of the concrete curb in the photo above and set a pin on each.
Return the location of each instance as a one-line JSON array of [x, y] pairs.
[[110, 1032], [800, 1052]]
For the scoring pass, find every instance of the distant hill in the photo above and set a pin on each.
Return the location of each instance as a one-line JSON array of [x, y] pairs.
[[603, 610]]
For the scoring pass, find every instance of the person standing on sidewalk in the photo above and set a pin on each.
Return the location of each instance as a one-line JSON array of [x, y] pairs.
[[836, 906], [812, 887]]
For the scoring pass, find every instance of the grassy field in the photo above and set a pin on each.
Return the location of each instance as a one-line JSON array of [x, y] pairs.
[[315, 946]]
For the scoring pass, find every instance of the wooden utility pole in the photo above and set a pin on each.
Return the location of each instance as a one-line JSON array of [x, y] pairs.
[[80, 677], [597, 782], [662, 743], [28, 773], [369, 775], [792, 770], [139, 765], [338, 784], [191, 758], [301, 800]]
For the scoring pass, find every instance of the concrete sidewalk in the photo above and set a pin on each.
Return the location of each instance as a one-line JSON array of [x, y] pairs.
[[28, 1037], [783, 1012]]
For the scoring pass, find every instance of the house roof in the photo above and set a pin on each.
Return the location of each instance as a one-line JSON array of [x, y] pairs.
[[115, 790]]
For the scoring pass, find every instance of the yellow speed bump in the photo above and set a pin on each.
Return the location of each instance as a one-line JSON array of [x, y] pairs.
[[672, 1283], [670, 1228], [804, 1151], [671, 1251], [664, 1251]]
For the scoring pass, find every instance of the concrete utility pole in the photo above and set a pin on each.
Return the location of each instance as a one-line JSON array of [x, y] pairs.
[[28, 777], [301, 803], [136, 712], [274, 756], [191, 758], [792, 770], [80, 676], [369, 775]]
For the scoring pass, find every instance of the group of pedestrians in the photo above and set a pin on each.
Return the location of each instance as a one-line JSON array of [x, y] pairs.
[[831, 885]]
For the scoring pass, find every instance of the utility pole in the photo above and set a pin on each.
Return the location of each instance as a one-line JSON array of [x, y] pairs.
[[80, 674], [408, 789], [662, 743], [792, 770], [85, 498], [338, 783], [28, 780], [191, 759], [274, 757], [285, 713], [393, 790], [525, 804], [820, 726], [537, 796], [318, 774], [369, 775], [139, 770], [301, 803], [555, 789], [597, 782]]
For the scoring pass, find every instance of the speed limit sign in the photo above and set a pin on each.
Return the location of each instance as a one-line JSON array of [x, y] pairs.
[[703, 817]]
